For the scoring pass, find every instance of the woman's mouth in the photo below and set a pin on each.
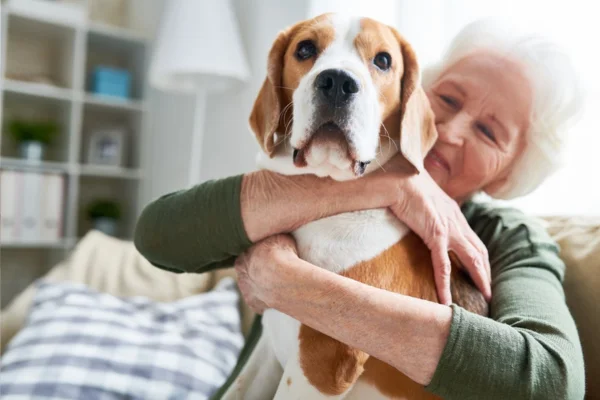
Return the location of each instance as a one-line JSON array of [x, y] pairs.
[[434, 158]]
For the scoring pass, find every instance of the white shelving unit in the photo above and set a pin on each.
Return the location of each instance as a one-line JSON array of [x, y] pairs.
[[71, 50]]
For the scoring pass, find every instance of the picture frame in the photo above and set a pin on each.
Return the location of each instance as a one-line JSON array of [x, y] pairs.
[[106, 147]]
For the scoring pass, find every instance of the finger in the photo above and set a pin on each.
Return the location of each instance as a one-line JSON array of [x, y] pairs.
[[481, 254], [240, 269], [441, 271], [258, 307], [240, 259], [248, 297], [483, 251], [467, 254], [480, 248], [484, 256], [288, 242]]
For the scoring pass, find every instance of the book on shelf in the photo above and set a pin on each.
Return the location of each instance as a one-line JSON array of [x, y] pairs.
[[31, 207], [8, 205], [51, 213], [29, 197]]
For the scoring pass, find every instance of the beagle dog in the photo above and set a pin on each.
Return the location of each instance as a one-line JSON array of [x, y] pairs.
[[341, 97]]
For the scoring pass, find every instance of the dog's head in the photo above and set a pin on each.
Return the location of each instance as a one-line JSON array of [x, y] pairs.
[[341, 92]]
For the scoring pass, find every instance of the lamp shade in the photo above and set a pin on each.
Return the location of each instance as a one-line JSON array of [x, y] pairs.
[[198, 47]]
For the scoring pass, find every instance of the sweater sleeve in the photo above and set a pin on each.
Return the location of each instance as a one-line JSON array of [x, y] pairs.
[[529, 348], [194, 230]]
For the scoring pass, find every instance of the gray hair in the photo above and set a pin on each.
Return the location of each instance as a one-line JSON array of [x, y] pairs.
[[557, 95]]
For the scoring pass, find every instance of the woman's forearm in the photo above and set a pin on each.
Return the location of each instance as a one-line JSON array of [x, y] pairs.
[[209, 225], [405, 332], [272, 203]]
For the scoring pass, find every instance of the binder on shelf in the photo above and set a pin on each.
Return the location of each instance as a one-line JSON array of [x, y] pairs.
[[8, 205], [52, 202], [31, 207], [30, 198]]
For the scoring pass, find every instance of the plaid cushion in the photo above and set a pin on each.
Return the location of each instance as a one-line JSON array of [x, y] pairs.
[[81, 344]]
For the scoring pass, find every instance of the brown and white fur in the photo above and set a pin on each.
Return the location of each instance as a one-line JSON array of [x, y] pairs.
[[306, 124]]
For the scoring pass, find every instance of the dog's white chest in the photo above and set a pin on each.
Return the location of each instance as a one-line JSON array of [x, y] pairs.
[[341, 241]]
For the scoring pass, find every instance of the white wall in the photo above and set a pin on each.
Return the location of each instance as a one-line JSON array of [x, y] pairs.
[[168, 127]]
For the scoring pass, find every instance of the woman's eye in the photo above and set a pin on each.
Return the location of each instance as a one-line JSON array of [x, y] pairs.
[[305, 50], [383, 61], [487, 132], [449, 101]]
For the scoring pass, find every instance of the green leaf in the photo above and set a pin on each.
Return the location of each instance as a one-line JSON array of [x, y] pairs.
[[37, 131], [104, 208]]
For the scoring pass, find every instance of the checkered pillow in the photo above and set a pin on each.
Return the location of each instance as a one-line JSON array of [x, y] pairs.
[[81, 344]]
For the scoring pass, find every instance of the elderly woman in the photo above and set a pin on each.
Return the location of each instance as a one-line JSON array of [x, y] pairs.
[[502, 104]]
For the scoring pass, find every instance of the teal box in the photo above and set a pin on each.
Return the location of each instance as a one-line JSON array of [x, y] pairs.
[[108, 81]]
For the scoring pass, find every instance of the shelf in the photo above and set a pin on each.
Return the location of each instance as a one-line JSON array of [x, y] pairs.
[[41, 14], [49, 17], [54, 92], [43, 166], [37, 90], [109, 172], [81, 169], [114, 32], [113, 102], [94, 28], [61, 244]]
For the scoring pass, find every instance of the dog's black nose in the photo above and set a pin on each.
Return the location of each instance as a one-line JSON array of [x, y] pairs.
[[337, 87]]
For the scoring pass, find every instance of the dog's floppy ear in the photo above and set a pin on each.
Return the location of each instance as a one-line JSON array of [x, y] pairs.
[[265, 115], [417, 122]]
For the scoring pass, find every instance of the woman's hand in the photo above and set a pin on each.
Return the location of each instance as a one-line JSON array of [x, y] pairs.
[[257, 269], [438, 220]]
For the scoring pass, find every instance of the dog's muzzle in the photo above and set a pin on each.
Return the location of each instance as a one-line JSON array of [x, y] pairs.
[[329, 141]]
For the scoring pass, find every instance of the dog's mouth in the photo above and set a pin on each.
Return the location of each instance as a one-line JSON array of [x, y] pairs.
[[329, 144]]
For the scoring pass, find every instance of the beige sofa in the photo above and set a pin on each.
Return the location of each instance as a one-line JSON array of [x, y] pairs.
[[114, 266]]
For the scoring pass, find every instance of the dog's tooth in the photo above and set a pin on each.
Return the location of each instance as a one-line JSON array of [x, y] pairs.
[[295, 155]]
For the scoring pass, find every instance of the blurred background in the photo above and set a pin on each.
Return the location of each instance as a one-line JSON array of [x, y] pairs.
[[106, 105]]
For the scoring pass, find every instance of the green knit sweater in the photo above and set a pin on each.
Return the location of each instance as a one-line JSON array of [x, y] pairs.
[[528, 349]]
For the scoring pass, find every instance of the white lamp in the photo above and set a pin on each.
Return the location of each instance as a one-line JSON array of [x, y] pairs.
[[198, 51]]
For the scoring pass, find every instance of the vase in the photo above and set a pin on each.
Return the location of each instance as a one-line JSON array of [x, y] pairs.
[[32, 150], [106, 225]]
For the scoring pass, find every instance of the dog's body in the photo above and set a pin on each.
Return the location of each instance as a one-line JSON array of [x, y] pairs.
[[354, 86]]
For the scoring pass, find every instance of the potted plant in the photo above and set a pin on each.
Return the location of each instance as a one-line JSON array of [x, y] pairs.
[[105, 215], [32, 136]]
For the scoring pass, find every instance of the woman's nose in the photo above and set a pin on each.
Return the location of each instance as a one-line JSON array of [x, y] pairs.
[[452, 130]]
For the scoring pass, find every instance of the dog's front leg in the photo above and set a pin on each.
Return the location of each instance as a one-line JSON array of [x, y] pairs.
[[259, 376], [323, 368]]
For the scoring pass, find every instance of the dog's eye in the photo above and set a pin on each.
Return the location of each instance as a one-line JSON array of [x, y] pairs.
[[305, 50], [383, 61]]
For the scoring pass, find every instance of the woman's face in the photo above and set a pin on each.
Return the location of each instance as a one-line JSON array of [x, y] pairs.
[[482, 106]]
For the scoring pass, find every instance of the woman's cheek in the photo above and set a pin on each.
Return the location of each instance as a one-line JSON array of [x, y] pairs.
[[478, 164]]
